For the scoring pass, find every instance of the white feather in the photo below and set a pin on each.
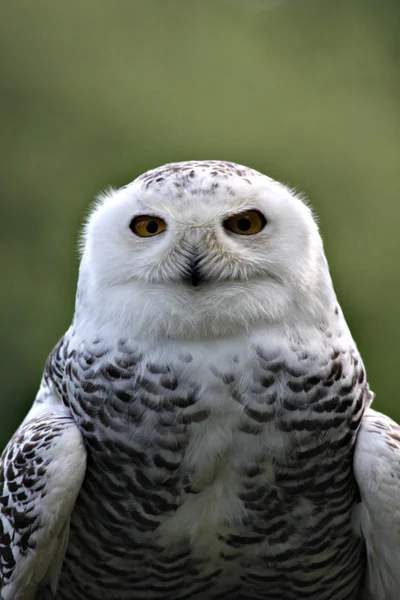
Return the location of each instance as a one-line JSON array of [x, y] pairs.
[[377, 518]]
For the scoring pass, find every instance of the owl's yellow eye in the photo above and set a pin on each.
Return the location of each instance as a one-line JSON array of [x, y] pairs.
[[246, 223], [147, 226]]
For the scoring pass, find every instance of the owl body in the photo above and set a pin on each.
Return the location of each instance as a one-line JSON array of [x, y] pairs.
[[202, 430], [209, 474]]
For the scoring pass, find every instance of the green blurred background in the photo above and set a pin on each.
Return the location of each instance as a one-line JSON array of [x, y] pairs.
[[94, 93]]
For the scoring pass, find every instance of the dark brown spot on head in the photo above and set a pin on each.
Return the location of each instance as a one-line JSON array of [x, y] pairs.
[[186, 358]]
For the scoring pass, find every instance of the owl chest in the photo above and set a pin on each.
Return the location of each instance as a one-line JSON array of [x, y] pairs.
[[186, 449], [208, 405], [236, 461], [174, 440], [202, 435]]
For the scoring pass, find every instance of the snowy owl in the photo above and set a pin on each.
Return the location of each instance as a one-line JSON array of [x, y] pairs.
[[203, 429]]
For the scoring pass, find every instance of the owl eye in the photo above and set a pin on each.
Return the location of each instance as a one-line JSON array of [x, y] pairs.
[[147, 226], [246, 223]]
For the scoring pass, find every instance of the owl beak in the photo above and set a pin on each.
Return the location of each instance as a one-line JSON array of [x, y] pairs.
[[193, 273]]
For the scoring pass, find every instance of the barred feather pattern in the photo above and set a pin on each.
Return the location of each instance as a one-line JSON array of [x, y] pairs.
[[212, 477], [21, 481]]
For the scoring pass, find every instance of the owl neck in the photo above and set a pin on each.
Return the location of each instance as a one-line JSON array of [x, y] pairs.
[[219, 311]]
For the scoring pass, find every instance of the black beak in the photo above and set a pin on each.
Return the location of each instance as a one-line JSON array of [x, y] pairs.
[[193, 274]]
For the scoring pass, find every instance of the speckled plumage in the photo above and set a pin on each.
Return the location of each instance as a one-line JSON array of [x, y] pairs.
[[218, 423]]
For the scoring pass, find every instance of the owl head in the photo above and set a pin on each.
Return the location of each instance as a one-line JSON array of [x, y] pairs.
[[201, 249]]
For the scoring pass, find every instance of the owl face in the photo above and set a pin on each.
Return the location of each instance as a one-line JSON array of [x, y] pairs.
[[204, 238]]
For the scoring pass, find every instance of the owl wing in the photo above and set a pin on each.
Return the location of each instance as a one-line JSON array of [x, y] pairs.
[[41, 472], [377, 517]]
